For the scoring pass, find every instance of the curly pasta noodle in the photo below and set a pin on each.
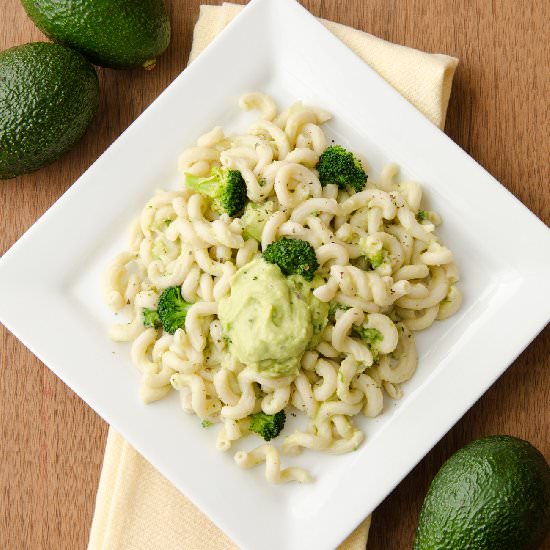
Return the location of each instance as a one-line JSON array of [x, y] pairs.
[[274, 474], [382, 271]]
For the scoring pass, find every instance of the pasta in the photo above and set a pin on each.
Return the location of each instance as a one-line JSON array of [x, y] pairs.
[[383, 274]]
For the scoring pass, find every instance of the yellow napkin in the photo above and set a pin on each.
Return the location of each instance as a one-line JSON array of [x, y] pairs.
[[136, 507], [422, 78]]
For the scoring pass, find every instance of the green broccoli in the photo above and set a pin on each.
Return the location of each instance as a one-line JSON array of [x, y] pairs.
[[225, 187], [373, 251], [293, 256], [422, 215], [151, 318], [340, 166], [172, 309], [206, 423], [267, 426], [254, 218], [370, 336], [375, 260]]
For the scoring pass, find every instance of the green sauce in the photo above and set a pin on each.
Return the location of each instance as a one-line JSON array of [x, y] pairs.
[[269, 319]]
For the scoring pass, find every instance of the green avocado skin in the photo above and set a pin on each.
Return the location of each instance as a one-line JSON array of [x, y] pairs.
[[48, 96], [119, 34], [494, 494]]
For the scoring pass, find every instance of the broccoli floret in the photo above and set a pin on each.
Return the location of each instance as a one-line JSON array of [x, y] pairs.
[[172, 309], [370, 336], [340, 166], [254, 218], [373, 251], [206, 423], [225, 187], [151, 318], [422, 215], [375, 260], [293, 256], [267, 426]]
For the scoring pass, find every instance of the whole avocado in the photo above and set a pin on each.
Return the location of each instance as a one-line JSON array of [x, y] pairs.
[[119, 34], [48, 96], [494, 494]]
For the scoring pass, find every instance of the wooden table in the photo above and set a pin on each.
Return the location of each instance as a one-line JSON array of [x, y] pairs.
[[51, 443]]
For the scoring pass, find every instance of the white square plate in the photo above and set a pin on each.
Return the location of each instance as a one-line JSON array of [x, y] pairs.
[[50, 293]]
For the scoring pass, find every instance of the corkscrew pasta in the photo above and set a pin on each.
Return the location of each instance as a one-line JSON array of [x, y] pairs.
[[383, 274]]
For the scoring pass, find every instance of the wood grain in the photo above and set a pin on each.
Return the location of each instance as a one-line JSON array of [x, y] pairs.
[[51, 443]]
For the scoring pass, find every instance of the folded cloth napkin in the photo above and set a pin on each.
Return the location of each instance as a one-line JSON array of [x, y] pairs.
[[136, 507]]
